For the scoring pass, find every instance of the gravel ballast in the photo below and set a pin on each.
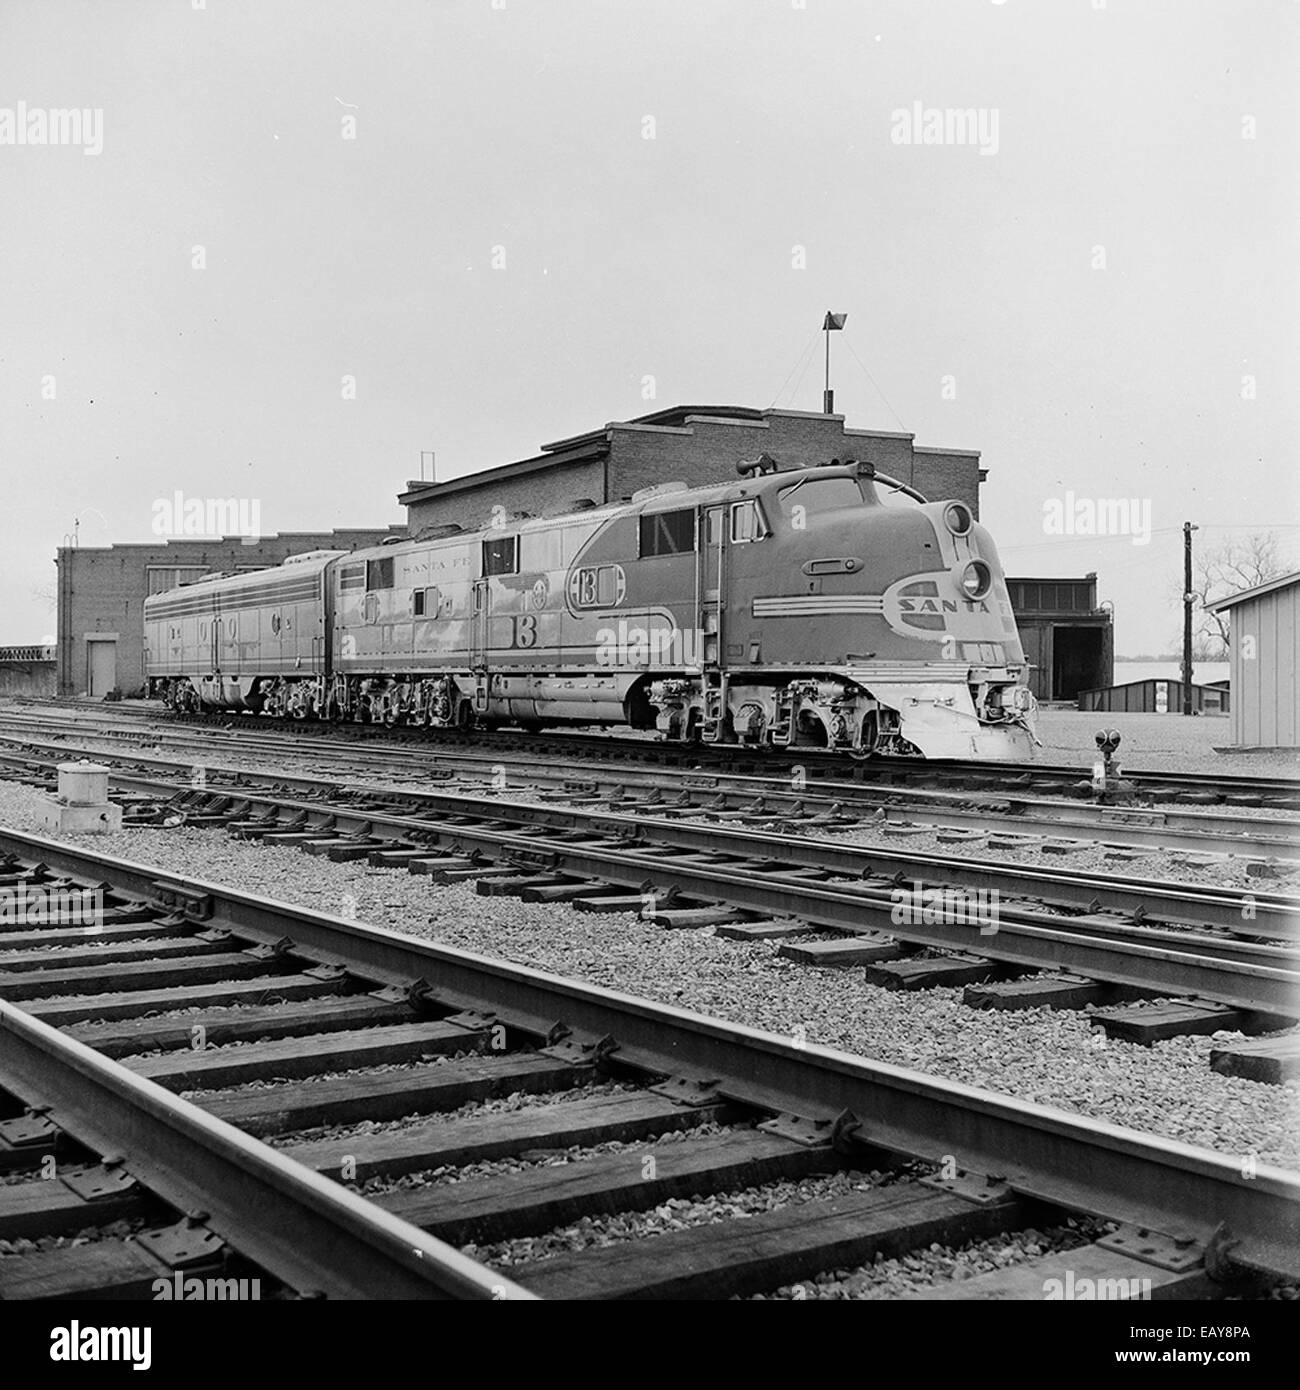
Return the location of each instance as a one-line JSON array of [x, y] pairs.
[[1052, 1058]]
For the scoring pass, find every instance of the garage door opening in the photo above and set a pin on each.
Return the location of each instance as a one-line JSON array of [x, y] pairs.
[[1076, 661]]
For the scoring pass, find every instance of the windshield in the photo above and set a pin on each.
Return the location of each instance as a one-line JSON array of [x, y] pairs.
[[892, 495], [811, 497]]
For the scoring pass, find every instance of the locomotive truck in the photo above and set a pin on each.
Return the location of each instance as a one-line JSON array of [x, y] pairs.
[[790, 607]]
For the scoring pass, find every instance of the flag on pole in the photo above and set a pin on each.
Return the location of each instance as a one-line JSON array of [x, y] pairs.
[[834, 321]]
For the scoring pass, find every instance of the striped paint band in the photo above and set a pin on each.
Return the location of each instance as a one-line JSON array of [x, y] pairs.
[[266, 596], [809, 605]]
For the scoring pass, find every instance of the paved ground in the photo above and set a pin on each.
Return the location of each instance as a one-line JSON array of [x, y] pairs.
[[1156, 743]]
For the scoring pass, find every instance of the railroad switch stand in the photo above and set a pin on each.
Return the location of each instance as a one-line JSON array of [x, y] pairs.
[[1107, 784]]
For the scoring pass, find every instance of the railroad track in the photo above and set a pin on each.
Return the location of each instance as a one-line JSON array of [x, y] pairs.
[[964, 815], [1236, 955], [1158, 788], [369, 1059]]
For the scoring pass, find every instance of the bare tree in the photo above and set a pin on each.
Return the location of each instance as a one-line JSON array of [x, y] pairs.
[[1227, 568], [47, 595]]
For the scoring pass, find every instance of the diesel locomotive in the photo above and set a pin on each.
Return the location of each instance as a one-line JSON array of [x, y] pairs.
[[789, 607]]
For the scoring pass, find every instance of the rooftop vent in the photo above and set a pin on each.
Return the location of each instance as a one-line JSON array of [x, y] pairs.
[[658, 490], [311, 555]]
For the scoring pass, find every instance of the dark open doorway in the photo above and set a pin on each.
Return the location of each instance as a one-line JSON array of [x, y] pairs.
[[1076, 661]]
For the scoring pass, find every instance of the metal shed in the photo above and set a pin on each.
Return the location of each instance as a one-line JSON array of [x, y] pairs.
[[1263, 638]]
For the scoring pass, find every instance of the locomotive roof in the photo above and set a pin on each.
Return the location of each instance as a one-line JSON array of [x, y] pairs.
[[669, 499], [305, 566]]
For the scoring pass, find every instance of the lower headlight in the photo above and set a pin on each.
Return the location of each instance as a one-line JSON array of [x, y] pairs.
[[976, 579]]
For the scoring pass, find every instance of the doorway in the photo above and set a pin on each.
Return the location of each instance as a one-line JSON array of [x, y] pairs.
[[101, 666], [1076, 661]]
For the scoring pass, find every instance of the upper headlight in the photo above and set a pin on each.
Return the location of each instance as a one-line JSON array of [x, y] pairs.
[[976, 579], [957, 518]]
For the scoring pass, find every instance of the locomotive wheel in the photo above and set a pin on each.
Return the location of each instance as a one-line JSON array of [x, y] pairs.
[[870, 733]]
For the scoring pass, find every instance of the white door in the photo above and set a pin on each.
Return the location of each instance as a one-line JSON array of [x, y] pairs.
[[101, 662]]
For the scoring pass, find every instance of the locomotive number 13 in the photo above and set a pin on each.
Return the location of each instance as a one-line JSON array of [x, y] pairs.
[[524, 631]]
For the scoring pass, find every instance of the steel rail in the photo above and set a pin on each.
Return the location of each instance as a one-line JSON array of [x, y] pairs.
[[877, 769], [1257, 914], [1259, 979], [1123, 826], [1082, 1165], [312, 1234]]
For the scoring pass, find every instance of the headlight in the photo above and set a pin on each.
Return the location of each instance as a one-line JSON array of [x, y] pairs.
[[976, 579], [957, 518]]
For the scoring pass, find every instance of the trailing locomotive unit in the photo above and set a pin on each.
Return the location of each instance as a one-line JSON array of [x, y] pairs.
[[789, 607]]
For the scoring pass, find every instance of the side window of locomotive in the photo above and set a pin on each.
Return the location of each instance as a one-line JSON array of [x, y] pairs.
[[379, 574], [425, 602], [746, 524], [815, 497], [352, 578], [501, 556], [668, 533]]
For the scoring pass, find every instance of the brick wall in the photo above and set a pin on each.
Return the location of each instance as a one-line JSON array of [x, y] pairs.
[[547, 490], [702, 449], [707, 450], [103, 591]]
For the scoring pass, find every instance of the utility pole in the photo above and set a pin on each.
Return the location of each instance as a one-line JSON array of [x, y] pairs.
[[1188, 599]]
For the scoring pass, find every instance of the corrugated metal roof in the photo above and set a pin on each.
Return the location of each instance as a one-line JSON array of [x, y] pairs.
[[1283, 582]]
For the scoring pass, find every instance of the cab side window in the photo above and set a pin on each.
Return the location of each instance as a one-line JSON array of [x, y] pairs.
[[746, 523], [668, 533], [501, 556]]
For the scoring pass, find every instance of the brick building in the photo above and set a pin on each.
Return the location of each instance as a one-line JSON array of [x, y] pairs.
[[694, 444], [101, 593]]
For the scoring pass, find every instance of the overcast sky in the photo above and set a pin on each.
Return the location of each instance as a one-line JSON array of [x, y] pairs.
[[1099, 293]]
